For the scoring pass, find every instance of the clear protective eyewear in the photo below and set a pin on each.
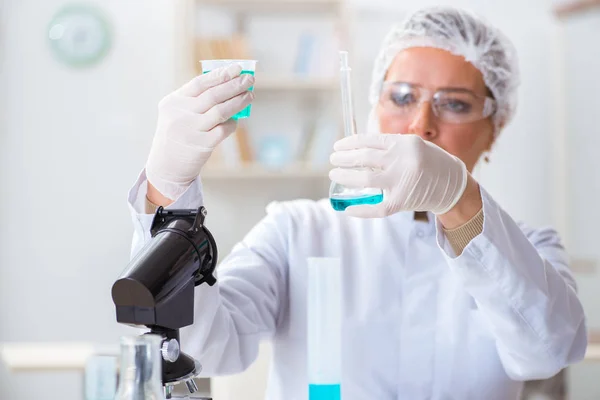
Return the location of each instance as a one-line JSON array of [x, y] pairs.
[[455, 106]]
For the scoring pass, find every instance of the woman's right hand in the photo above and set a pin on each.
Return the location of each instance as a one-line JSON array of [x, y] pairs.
[[192, 121]]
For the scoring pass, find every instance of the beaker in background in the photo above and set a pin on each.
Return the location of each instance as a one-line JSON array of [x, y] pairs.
[[140, 376], [100, 377]]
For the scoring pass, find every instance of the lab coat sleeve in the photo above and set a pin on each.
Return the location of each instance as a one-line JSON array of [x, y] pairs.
[[190, 199], [521, 284], [231, 317]]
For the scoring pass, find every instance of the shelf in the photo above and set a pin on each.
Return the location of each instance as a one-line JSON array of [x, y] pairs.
[[276, 5], [255, 171], [296, 84], [566, 9], [71, 356]]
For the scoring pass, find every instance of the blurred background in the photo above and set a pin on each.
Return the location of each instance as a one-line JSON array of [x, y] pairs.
[[79, 87]]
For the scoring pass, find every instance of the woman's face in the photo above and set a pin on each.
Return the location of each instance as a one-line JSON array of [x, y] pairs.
[[435, 69]]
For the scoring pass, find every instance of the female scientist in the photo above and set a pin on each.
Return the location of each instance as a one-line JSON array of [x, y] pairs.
[[445, 295]]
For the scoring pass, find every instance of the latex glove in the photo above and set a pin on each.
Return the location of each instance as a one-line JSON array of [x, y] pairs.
[[414, 174], [192, 121]]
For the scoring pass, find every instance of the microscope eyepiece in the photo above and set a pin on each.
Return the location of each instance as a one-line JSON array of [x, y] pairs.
[[157, 287]]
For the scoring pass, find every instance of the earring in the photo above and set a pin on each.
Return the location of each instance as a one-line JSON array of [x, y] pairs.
[[486, 158]]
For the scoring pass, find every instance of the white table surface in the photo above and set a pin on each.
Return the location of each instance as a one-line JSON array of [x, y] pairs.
[[52, 356], [74, 355]]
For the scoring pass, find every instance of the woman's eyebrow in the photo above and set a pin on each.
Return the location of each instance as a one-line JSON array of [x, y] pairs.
[[457, 89]]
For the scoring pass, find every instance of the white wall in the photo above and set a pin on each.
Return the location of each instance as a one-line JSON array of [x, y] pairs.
[[582, 63], [582, 84], [72, 143]]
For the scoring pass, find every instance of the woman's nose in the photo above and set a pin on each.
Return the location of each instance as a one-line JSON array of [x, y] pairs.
[[423, 123]]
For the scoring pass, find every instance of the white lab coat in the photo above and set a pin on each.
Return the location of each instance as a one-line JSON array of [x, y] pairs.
[[418, 322]]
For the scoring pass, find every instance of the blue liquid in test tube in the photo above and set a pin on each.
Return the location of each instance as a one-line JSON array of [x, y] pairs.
[[324, 392], [324, 328]]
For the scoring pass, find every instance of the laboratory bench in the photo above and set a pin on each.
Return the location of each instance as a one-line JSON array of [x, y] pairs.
[[42, 357]]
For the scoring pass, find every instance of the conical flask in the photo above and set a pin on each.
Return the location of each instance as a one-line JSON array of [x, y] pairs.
[[341, 196], [140, 376]]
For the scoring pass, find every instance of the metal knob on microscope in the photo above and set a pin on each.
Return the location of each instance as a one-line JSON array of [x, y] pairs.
[[170, 350], [191, 385]]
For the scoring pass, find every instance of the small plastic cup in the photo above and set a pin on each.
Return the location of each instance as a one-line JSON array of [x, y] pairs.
[[248, 67]]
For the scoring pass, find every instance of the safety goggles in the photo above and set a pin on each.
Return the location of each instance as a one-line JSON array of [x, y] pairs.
[[455, 106]]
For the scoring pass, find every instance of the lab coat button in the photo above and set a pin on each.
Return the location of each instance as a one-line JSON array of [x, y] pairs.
[[420, 233]]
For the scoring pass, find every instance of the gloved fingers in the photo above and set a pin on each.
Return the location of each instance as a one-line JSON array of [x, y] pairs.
[[379, 210], [357, 178], [221, 112], [213, 78], [219, 133], [375, 141], [367, 157], [221, 93], [191, 132]]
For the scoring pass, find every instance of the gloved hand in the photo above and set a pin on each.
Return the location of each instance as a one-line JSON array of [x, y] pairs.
[[192, 121], [414, 174]]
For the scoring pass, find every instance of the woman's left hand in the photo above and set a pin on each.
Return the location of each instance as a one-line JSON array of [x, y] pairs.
[[414, 174]]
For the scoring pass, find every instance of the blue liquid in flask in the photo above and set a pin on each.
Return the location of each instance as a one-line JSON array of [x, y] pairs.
[[324, 392], [340, 204]]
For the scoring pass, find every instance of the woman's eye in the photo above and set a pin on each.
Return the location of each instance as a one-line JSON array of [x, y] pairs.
[[455, 106], [402, 99]]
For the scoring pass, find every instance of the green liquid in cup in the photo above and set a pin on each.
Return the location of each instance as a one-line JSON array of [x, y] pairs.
[[245, 113]]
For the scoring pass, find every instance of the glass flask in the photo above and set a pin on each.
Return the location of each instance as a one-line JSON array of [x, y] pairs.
[[341, 196], [140, 376]]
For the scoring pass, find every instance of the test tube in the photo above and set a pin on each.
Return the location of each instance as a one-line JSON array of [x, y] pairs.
[[347, 101], [324, 328]]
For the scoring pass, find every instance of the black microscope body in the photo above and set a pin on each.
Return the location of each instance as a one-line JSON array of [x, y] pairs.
[[156, 289]]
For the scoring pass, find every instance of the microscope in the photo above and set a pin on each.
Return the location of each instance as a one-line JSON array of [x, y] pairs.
[[156, 290]]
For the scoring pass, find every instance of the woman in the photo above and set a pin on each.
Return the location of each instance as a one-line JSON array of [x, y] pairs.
[[445, 296]]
